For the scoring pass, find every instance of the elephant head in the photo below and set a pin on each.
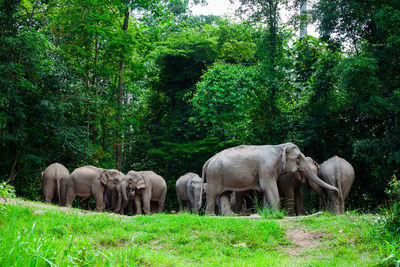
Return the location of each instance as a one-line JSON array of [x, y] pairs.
[[135, 180], [111, 179], [293, 161], [194, 189]]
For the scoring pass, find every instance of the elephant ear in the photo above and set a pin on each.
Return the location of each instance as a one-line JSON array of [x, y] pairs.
[[141, 184], [103, 177], [283, 158]]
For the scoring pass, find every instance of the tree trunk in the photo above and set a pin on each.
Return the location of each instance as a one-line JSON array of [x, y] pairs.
[[118, 152]]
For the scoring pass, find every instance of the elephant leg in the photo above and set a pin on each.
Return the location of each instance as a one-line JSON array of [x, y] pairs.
[[161, 202], [70, 196], [99, 196], [138, 204], [334, 205], [49, 191], [188, 205], [210, 208], [289, 202], [225, 206], [299, 202], [269, 187], [146, 203], [181, 204]]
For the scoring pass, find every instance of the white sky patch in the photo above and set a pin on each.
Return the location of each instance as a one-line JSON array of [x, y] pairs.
[[216, 7], [225, 9]]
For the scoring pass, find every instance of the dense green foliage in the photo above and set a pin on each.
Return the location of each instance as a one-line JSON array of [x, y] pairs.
[[84, 82], [43, 237]]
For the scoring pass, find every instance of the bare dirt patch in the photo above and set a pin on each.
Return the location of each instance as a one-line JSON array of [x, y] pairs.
[[302, 240]]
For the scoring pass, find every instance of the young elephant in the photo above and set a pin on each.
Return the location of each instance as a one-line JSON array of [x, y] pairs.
[[128, 197], [51, 180], [289, 187], [88, 181], [338, 172], [148, 186], [189, 190]]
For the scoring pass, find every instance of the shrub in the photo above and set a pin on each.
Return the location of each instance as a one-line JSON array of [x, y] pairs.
[[6, 190]]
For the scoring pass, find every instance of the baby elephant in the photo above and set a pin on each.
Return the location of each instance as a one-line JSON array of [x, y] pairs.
[[148, 187], [189, 190]]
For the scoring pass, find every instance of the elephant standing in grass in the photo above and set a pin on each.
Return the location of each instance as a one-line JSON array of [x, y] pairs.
[[289, 186], [128, 198], [338, 172], [148, 187], [189, 190], [88, 181], [51, 180], [250, 167]]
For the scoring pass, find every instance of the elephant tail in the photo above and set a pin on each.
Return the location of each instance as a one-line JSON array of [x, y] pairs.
[[58, 183]]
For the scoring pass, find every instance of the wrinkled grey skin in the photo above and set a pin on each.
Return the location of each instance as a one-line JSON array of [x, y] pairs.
[[51, 180], [189, 190], [250, 167], [289, 186], [148, 187], [338, 172], [88, 181]]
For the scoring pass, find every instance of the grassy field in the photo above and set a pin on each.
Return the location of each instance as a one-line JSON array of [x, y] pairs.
[[43, 237]]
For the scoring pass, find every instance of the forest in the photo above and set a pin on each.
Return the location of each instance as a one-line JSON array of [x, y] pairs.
[[147, 85]]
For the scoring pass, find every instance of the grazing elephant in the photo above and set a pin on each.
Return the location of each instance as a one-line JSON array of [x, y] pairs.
[[88, 181], [189, 190], [51, 180], [289, 187], [148, 186], [338, 172], [111, 198], [250, 167]]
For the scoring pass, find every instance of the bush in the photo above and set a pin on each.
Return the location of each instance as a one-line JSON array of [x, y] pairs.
[[388, 226], [6, 190]]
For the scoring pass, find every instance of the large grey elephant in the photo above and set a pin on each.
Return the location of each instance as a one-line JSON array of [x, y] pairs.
[[51, 180], [88, 181], [148, 187], [249, 167], [338, 172], [189, 190]]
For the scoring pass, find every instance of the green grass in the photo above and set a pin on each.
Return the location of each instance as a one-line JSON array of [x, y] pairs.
[[52, 237]]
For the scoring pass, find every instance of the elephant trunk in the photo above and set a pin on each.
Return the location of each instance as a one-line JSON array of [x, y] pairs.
[[197, 199], [315, 178]]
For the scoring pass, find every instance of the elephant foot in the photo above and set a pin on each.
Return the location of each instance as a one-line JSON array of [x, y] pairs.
[[228, 213]]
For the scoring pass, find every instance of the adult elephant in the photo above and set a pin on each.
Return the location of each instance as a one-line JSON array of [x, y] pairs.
[[88, 181], [148, 187], [250, 167], [51, 180], [338, 172], [289, 187], [189, 191]]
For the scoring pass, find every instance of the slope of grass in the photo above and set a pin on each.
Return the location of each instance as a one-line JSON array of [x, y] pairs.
[[31, 237]]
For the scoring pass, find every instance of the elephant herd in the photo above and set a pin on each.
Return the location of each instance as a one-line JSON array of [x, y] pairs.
[[111, 188], [273, 172]]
